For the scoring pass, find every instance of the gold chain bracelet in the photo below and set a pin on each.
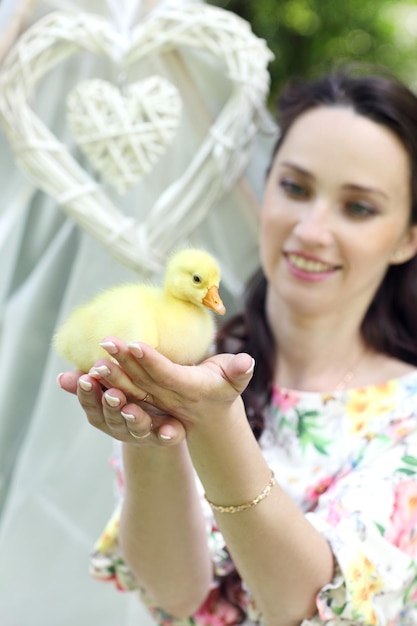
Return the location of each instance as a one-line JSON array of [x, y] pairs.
[[238, 508]]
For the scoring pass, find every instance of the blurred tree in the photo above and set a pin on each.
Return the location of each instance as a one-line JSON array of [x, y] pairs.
[[308, 37]]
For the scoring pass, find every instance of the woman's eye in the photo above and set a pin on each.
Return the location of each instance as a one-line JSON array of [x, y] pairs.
[[293, 189], [360, 209]]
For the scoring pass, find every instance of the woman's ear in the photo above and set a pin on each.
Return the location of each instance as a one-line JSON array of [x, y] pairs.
[[407, 249]]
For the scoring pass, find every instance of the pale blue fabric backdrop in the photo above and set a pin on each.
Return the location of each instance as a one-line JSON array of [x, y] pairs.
[[56, 487]]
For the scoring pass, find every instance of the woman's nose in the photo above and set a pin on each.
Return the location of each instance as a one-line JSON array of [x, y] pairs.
[[313, 226]]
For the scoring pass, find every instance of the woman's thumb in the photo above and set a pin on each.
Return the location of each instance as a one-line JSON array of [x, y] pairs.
[[240, 369]]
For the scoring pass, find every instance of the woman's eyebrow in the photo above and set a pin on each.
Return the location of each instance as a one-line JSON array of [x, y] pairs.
[[297, 168], [364, 188]]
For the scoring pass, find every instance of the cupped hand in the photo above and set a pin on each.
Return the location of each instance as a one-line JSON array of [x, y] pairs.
[[187, 393], [110, 411]]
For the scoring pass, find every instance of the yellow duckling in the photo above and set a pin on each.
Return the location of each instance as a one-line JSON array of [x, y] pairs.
[[175, 319]]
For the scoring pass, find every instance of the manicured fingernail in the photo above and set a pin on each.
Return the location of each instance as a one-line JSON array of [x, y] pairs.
[[85, 385], [164, 437], [101, 370], [109, 347], [112, 401], [251, 368], [128, 416], [58, 379], [135, 349]]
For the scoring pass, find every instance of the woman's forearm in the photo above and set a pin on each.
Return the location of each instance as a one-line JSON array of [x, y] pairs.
[[278, 553], [281, 557], [162, 534]]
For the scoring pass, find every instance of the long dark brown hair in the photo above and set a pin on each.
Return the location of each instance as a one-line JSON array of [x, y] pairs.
[[390, 324]]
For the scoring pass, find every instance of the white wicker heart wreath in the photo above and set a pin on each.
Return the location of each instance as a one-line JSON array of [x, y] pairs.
[[216, 165]]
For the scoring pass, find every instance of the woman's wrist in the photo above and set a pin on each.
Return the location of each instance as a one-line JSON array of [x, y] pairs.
[[151, 458], [227, 448]]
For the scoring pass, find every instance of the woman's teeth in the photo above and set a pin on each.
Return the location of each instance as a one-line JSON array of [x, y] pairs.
[[308, 265]]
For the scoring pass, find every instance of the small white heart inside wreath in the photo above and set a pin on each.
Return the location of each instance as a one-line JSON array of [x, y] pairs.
[[124, 134]]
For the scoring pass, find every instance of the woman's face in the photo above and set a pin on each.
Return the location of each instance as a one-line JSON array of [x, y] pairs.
[[336, 212]]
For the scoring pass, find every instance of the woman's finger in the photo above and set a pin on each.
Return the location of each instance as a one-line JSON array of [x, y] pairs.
[[169, 432], [107, 410], [90, 396], [132, 424], [112, 375], [68, 381], [155, 370], [136, 423]]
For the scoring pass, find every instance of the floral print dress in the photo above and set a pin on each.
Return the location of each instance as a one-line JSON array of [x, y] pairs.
[[349, 461]]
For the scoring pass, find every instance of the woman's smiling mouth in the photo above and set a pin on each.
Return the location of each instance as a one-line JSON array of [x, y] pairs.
[[308, 268]]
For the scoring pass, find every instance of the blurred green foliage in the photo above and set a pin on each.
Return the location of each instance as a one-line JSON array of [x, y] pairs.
[[308, 37]]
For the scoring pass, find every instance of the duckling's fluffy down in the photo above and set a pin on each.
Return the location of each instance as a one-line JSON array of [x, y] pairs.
[[178, 328]]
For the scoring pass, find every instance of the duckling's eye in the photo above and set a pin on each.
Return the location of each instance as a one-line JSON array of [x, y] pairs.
[[196, 278]]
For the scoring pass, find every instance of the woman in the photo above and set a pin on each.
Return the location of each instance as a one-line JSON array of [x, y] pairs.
[[312, 475]]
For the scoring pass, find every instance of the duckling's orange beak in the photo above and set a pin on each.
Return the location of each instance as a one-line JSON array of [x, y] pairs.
[[213, 301]]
